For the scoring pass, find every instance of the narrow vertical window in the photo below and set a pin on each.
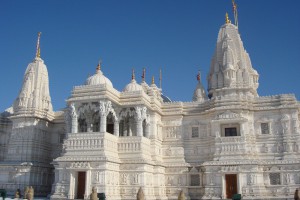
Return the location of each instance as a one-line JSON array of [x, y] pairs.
[[195, 132], [264, 128]]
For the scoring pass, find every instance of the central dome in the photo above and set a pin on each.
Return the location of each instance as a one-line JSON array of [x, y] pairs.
[[98, 78]]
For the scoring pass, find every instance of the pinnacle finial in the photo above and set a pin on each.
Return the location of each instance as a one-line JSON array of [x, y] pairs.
[[143, 75], [132, 75], [38, 50], [199, 76], [99, 66], [153, 80], [227, 20], [235, 13]]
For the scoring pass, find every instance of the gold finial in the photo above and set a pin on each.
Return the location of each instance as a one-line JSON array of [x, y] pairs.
[[98, 66], [153, 80], [38, 50], [132, 75], [227, 20]]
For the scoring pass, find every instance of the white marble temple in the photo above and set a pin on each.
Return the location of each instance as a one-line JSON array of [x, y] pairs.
[[229, 141]]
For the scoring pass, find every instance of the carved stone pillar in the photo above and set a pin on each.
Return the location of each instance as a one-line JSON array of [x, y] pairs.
[[74, 125], [74, 119], [147, 131], [89, 124], [116, 128], [129, 131], [140, 114], [103, 123], [139, 127]]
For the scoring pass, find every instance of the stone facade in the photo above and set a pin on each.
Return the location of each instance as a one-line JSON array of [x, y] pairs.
[[118, 142]]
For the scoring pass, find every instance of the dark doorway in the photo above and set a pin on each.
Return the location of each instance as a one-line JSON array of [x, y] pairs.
[[81, 185], [231, 185]]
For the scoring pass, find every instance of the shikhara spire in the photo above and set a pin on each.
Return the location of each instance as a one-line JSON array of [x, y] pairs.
[[34, 95], [231, 73], [38, 49]]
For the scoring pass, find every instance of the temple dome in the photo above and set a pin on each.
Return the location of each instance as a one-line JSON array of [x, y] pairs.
[[133, 86], [98, 78]]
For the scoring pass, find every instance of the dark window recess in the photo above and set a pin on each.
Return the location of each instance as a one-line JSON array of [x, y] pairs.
[[195, 180], [264, 128], [61, 138], [230, 132], [274, 178], [110, 128], [195, 132]]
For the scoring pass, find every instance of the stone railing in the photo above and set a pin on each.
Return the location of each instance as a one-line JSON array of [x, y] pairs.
[[233, 139], [133, 144], [90, 141], [230, 148]]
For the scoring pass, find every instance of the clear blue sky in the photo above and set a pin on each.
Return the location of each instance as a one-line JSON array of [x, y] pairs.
[[177, 36]]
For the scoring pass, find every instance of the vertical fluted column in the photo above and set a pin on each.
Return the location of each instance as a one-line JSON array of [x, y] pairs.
[[140, 115], [103, 114]]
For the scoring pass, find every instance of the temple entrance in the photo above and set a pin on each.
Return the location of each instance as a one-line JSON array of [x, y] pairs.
[[231, 185], [81, 185]]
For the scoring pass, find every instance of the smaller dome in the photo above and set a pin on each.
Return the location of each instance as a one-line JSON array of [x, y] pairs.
[[199, 92], [165, 98], [98, 78], [133, 86]]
